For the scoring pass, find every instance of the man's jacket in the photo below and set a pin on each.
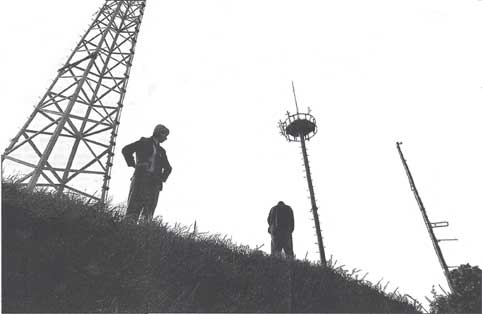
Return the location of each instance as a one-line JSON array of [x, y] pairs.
[[144, 149], [281, 219]]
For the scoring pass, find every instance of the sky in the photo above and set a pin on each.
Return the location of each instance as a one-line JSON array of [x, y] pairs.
[[218, 75]]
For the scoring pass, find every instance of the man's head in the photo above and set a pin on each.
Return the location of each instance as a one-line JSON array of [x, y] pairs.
[[160, 133]]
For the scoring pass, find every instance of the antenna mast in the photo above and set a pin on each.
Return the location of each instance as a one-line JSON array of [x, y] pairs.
[[300, 127], [428, 224]]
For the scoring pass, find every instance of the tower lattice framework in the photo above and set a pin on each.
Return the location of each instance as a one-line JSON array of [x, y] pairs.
[[68, 142]]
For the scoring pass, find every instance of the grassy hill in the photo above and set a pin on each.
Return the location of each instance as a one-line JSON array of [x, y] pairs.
[[63, 255]]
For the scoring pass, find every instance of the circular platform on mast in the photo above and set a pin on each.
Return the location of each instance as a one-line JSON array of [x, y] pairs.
[[299, 125]]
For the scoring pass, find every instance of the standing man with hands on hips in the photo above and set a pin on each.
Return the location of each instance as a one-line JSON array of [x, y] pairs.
[[152, 169]]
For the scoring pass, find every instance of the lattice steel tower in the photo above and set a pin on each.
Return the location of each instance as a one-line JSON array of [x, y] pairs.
[[68, 142], [300, 127]]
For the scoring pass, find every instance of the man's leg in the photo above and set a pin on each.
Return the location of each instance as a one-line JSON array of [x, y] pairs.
[[275, 246], [134, 201], [151, 197], [288, 246]]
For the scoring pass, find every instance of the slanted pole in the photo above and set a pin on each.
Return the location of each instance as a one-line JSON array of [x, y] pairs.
[[314, 208], [428, 224]]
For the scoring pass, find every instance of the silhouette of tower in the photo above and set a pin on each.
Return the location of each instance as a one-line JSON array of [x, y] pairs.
[[68, 142], [301, 127]]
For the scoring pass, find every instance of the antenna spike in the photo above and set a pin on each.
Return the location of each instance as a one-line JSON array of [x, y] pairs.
[[294, 95]]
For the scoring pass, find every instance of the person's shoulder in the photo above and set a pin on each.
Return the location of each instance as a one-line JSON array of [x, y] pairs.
[[144, 140], [136, 142]]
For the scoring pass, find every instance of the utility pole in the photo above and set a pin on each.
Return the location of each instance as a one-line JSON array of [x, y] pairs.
[[427, 222], [301, 127], [68, 142]]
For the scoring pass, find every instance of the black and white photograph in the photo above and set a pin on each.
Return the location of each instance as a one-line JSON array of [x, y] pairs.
[[227, 156]]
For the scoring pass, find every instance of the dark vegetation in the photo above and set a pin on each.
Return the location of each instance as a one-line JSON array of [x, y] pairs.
[[467, 292], [63, 255]]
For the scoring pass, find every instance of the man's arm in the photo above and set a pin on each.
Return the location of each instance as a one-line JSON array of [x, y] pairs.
[[270, 216], [292, 220], [128, 152], [166, 167], [270, 219]]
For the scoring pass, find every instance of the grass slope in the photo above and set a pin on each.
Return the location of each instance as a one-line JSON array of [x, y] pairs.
[[62, 255]]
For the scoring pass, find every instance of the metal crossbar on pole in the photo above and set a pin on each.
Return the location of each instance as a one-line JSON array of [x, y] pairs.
[[427, 222], [68, 142]]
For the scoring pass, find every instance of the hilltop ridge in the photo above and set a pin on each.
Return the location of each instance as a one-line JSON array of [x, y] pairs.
[[61, 254]]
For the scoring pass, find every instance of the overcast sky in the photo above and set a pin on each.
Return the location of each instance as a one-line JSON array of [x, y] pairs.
[[218, 75]]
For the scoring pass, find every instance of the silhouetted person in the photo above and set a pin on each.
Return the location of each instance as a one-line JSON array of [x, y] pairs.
[[281, 225], [151, 170]]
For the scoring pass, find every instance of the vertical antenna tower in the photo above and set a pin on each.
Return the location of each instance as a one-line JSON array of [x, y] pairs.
[[68, 142], [301, 127], [428, 224]]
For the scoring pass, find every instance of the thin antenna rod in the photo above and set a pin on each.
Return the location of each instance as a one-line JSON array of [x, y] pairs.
[[294, 94]]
